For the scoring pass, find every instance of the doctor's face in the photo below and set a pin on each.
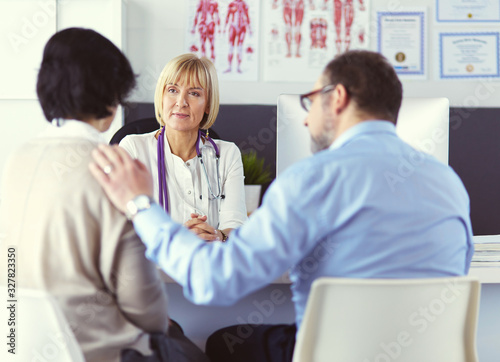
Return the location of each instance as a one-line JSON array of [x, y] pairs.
[[320, 119], [184, 106]]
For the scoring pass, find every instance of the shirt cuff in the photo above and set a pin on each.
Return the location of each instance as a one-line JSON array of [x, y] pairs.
[[148, 223]]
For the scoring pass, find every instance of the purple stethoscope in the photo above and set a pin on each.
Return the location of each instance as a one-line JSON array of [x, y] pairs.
[[162, 170]]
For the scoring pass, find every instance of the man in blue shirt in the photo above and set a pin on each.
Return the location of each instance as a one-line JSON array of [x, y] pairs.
[[348, 211]]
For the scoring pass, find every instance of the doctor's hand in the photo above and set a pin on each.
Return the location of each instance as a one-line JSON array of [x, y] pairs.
[[121, 177], [198, 225]]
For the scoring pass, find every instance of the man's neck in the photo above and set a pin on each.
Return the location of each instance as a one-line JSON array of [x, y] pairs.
[[350, 118]]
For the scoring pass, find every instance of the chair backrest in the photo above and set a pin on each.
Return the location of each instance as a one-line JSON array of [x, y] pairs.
[[385, 320], [141, 126], [40, 330]]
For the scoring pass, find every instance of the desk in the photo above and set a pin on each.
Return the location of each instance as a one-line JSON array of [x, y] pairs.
[[486, 275], [199, 322]]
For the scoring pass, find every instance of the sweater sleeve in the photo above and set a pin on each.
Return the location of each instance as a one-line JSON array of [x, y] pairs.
[[134, 281]]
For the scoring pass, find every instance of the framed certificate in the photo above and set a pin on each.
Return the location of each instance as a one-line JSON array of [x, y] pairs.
[[469, 55], [468, 10], [401, 39]]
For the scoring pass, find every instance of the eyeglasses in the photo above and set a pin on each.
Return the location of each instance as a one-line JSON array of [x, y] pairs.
[[305, 99]]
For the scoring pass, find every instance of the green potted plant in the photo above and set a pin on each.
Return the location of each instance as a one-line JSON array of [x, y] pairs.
[[256, 174]]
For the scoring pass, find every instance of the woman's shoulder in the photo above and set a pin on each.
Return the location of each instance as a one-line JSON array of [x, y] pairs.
[[228, 149], [226, 145]]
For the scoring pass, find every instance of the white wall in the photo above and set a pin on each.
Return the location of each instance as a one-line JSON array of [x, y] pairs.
[[25, 27], [156, 31]]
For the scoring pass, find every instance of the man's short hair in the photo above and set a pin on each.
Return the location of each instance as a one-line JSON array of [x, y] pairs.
[[370, 81], [82, 75]]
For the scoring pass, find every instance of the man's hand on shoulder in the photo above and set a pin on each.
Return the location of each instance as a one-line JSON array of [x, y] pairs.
[[121, 177]]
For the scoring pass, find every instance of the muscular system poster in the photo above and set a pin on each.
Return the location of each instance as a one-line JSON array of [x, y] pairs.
[[227, 32], [301, 36]]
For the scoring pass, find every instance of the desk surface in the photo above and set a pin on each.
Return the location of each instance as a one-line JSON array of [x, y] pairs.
[[486, 275]]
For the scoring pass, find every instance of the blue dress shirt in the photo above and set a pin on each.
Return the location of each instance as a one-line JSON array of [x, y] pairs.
[[370, 206]]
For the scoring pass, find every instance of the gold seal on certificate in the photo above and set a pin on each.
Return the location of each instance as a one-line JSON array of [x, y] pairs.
[[469, 68], [400, 57]]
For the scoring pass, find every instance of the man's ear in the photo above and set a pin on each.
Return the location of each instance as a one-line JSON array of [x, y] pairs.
[[340, 98]]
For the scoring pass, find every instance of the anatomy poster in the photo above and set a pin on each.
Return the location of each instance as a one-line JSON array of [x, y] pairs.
[[302, 36], [227, 32]]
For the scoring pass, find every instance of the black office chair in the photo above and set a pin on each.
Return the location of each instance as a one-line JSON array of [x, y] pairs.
[[140, 126], [144, 125]]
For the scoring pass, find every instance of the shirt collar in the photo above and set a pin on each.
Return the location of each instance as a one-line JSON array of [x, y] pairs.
[[73, 128], [365, 127]]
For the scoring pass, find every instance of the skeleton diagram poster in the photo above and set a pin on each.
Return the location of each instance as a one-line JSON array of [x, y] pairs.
[[227, 32], [302, 36]]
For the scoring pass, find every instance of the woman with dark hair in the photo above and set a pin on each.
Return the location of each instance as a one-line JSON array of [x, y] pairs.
[[70, 240]]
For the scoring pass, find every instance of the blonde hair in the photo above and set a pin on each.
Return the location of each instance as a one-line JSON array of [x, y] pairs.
[[190, 69]]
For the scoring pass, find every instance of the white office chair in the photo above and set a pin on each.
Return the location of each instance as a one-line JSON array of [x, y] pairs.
[[41, 330], [385, 320]]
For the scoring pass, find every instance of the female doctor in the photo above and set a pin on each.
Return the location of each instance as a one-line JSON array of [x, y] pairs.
[[197, 180]]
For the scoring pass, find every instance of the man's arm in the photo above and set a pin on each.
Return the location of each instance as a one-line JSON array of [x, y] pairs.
[[275, 238], [272, 241]]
